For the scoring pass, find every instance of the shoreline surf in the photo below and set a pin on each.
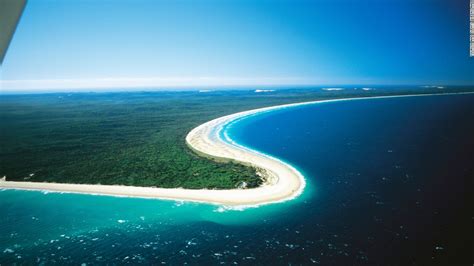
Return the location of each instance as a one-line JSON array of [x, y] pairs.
[[282, 180]]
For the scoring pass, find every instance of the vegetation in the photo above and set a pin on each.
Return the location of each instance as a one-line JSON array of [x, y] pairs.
[[130, 138]]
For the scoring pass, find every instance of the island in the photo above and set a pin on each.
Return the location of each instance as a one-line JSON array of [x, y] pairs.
[[272, 179]]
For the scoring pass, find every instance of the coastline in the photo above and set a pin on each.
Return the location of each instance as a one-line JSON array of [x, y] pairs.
[[283, 181]]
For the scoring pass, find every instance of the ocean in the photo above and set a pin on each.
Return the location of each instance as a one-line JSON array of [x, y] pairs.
[[388, 183]]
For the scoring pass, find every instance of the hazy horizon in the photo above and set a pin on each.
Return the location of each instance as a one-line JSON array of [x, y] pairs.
[[256, 88]]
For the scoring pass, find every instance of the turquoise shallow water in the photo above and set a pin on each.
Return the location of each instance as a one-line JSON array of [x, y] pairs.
[[386, 184], [49, 227]]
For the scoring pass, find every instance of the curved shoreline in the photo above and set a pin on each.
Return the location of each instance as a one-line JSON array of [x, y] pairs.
[[283, 181]]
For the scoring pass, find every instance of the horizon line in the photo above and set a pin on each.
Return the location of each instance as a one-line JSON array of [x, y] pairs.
[[256, 89], [186, 83]]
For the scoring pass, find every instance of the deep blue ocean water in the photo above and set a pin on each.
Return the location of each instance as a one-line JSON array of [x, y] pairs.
[[389, 183]]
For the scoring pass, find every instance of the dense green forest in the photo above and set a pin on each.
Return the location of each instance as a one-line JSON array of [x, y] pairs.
[[133, 138]]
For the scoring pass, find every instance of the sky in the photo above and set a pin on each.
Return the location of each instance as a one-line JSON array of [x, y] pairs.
[[79, 44]]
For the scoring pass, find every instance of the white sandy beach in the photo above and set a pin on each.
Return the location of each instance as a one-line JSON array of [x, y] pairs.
[[284, 182]]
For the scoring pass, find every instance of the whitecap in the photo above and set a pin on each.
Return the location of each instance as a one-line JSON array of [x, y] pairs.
[[332, 89], [8, 250]]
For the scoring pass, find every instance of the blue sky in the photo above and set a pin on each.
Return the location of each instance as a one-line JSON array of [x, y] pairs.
[[101, 44]]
